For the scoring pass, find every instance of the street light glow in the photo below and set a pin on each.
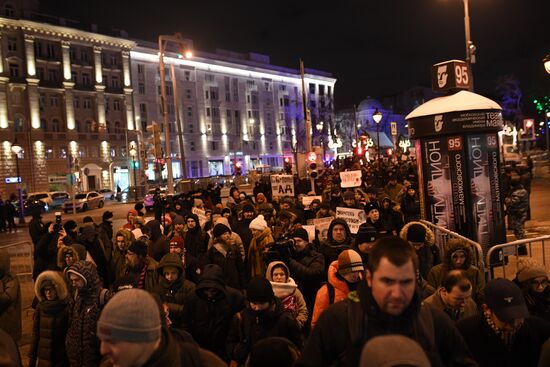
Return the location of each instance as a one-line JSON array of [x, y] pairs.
[[377, 116], [16, 148]]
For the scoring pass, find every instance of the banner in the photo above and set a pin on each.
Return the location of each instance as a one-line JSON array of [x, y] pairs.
[[306, 200], [497, 198], [460, 122], [350, 179], [460, 188], [282, 185], [310, 232], [322, 224], [202, 216], [353, 217]]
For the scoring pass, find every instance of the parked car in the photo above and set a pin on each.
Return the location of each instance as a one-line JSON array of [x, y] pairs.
[[30, 206], [58, 198], [108, 194], [44, 196], [84, 201]]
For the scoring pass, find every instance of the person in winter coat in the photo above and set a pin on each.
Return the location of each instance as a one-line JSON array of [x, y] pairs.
[[517, 207], [141, 269], [338, 240], [262, 240], [458, 256], [423, 240], [173, 288], [10, 299], [242, 226], [117, 265], [130, 216], [45, 252], [226, 254], [410, 205], [208, 311], [263, 317], [307, 266], [287, 291], [81, 343], [159, 245], [389, 216], [532, 279], [105, 231], [343, 277], [50, 321], [90, 239], [36, 227], [364, 241], [383, 227], [66, 256], [196, 245], [235, 238]]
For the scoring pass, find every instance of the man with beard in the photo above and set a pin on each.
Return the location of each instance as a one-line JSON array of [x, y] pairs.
[[241, 227], [141, 269], [208, 311], [387, 302], [179, 227], [196, 245], [338, 240], [532, 278]]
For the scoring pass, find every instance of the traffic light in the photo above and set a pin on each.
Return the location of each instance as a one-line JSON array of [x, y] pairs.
[[154, 140], [238, 168], [312, 165], [359, 150], [288, 165], [136, 164]]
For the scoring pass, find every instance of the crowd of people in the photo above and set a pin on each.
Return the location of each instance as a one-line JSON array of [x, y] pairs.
[[243, 283]]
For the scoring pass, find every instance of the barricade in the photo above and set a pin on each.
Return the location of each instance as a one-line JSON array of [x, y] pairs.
[[443, 235], [508, 254], [21, 263]]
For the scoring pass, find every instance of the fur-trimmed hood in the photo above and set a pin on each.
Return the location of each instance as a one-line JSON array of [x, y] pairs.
[[64, 250], [57, 279], [430, 236], [455, 245]]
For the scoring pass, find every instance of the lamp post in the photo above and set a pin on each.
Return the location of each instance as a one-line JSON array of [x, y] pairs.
[[377, 117], [16, 149], [319, 127], [133, 153], [470, 47]]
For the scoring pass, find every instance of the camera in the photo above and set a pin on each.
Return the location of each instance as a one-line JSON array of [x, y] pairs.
[[57, 225], [282, 249]]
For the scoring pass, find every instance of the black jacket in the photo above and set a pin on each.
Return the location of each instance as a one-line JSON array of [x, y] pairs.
[[489, 350], [307, 268], [228, 257], [330, 342], [330, 249]]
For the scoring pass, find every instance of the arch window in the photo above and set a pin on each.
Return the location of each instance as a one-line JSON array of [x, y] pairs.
[[44, 125]]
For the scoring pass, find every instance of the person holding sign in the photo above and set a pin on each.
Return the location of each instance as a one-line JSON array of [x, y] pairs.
[[339, 239]]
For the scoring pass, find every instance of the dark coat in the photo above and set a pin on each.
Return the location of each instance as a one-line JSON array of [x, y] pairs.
[[308, 271], [36, 230], [330, 342], [160, 245], [489, 350], [209, 321], [50, 324], [45, 253], [229, 259], [410, 207], [196, 245], [251, 327], [105, 231], [330, 249], [10, 299], [89, 238]]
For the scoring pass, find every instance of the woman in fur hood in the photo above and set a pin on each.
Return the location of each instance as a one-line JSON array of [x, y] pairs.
[[50, 321], [287, 291], [422, 239]]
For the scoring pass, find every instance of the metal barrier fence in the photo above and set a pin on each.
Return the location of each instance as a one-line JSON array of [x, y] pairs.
[[21, 263], [443, 235], [505, 250]]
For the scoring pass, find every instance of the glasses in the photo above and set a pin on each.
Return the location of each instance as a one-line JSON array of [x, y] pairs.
[[539, 283]]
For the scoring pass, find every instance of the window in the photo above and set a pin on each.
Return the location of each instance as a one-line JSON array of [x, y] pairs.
[[87, 104], [250, 83], [114, 82], [94, 151], [41, 101], [88, 127], [14, 70], [9, 11], [84, 56], [311, 88], [249, 114], [40, 73], [76, 102], [72, 53], [192, 146], [282, 87], [206, 94], [321, 90], [12, 44], [169, 90], [209, 77], [254, 99], [143, 109], [86, 79], [73, 76], [117, 127], [188, 94], [49, 153], [50, 50], [248, 98], [215, 112], [63, 153], [190, 129], [214, 145], [281, 102], [208, 111], [56, 126], [38, 49], [141, 88], [266, 86], [229, 116], [107, 104], [54, 101], [116, 105], [213, 94], [114, 60], [187, 75], [18, 124], [78, 126], [189, 111], [53, 75], [44, 124], [141, 68]]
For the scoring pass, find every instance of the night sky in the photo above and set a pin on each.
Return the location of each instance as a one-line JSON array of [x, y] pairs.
[[372, 48]]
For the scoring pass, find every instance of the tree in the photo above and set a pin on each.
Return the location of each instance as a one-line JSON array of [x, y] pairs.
[[510, 95]]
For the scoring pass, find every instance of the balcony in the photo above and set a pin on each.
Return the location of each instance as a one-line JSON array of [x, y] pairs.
[[84, 87], [114, 90]]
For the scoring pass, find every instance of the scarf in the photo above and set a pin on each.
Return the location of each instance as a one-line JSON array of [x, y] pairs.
[[141, 281], [507, 336]]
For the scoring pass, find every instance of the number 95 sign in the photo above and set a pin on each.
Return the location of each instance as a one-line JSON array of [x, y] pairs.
[[450, 75]]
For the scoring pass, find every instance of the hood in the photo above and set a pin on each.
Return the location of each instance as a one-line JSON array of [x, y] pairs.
[[212, 277], [170, 260], [270, 269], [266, 232], [454, 245], [128, 236], [88, 234], [331, 226], [430, 236], [63, 250], [156, 232], [333, 278], [57, 279], [87, 271], [5, 263], [281, 290]]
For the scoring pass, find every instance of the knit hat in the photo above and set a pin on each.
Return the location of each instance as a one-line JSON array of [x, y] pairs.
[[70, 225], [178, 219], [248, 208], [393, 350], [365, 233], [227, 210], [87, 219], [506, 300], [132, 315], [107, 215], [300, 233], [177, 241], [348, 195], [349, 261], [259, 290], [529, 269], [411, 187], [138, 247], [416, 233], [258, 223], [220, 229], [371, 205]]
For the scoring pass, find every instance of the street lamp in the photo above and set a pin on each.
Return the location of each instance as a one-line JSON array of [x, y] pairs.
[[133, 153], [16, 149], [319, 127], [377, 117], [547, 63]]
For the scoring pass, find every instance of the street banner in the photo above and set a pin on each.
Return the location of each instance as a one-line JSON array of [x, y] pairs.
[[322, 224], [353, 217], [202, 216], [437, 184], [460, 122], [310, 232], [457, 168], [482, 150], [306, 200], [350, 179], [282, 185]]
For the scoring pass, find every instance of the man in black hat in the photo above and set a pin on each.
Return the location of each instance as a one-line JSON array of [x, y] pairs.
[[410, 205], [505, 334], [105, 231], [364, 240], [241, 225], [141, 267]]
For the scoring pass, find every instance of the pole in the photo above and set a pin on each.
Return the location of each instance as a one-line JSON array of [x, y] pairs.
[[307, 117], [20, 193], [377, 142], [178, 122], [167, 150], [135, 178], [468, 42]]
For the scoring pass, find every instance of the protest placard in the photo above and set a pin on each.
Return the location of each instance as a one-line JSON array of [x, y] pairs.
[[282, 185], [306, 200], [350, 179], [310, 232], [353, 217], [202, 216], [322, 224]]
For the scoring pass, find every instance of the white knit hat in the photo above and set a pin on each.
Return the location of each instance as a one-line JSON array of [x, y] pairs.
[[258, 223]]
